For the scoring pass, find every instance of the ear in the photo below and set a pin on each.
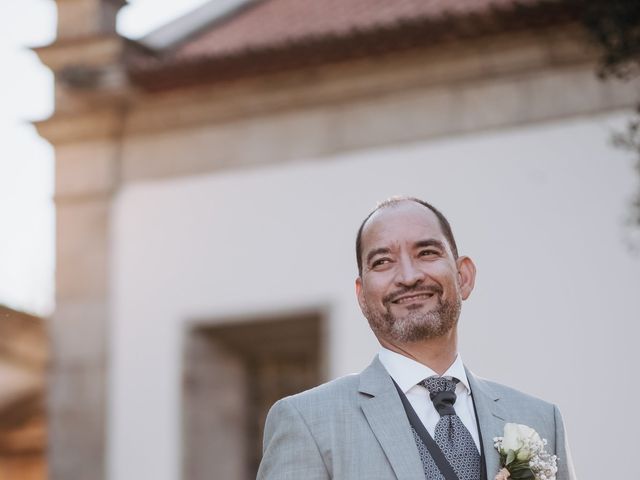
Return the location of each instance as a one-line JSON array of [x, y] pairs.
[[466, 276], [359, 290]]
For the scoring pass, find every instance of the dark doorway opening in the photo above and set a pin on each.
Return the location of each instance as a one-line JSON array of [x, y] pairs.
[[233, 373]]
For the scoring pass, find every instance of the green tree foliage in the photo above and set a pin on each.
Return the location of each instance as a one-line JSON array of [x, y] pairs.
[[615, 26]]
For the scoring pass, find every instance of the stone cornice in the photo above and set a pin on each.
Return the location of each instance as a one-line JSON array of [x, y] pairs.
[[106, 123], [86, 51], [457, 62], [497, 57]]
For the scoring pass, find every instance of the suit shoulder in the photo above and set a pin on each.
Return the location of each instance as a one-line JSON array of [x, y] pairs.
[[515, 396], [334, 394]]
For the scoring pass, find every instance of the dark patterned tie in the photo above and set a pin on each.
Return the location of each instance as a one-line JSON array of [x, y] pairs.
[[451, 435]]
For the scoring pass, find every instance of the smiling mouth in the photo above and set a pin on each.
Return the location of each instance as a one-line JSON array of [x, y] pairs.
[[418, 297]]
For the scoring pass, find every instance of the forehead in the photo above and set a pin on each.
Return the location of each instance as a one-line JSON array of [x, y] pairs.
[[404, 222]]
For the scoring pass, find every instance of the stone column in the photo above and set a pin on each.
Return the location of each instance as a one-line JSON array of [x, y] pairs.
[[86, 131]]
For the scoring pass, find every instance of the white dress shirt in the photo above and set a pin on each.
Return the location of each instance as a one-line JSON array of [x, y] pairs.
[[407, 373]]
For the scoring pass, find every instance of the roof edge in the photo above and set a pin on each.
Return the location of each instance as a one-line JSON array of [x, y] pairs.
[[178, 31], [165, 72]]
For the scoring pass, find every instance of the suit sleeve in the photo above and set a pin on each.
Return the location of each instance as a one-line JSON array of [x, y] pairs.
[[565, 464], [290, 451]]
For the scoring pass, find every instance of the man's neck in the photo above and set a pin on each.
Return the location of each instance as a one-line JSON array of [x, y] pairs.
[[436, 353]]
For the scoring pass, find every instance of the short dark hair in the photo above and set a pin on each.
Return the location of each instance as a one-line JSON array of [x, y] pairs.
[[444, 225]]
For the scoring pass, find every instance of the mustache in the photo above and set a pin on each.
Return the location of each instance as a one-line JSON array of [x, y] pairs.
[[433, 289]]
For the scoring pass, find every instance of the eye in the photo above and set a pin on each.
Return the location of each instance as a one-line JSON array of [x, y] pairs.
[[427, 252], [380, 261]]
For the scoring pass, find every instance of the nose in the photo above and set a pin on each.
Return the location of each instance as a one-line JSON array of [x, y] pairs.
[[409, 274]]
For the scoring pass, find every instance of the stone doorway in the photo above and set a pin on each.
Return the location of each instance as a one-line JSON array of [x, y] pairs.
[[233, 373]]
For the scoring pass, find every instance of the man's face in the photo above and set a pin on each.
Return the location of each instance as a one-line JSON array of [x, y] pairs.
[[411, 287]]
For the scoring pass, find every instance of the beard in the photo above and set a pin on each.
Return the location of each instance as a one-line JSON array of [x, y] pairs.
[[416, 324]]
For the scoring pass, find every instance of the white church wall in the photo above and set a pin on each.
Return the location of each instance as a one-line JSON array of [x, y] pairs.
[[540, 209]]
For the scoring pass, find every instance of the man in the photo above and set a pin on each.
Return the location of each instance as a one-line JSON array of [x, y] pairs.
[[415, 412]]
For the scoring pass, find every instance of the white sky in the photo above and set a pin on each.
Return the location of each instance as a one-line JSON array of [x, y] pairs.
[[26, 161]]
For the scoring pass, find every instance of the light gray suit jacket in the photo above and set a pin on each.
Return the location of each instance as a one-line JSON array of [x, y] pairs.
[[355, 427]]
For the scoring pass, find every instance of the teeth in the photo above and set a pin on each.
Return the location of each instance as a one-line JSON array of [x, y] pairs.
[[414, 297]]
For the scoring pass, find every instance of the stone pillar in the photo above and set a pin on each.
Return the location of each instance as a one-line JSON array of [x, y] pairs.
[[86, 18], [86, 131]]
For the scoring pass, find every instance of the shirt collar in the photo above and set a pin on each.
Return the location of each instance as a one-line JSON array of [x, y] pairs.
[[407, 372]]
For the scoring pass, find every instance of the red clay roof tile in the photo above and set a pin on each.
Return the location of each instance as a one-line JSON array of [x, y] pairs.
[[271, 35], [279, 22]]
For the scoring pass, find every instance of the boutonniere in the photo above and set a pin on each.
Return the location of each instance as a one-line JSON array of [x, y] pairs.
[[523, 456]]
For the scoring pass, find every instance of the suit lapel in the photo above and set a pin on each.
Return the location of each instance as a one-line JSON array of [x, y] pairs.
[[386, 416], [491, 418]]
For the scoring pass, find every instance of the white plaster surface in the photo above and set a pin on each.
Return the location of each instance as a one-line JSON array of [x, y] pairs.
[[541, 209]]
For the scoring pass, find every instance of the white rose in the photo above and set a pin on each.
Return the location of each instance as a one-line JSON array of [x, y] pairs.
[[520, 439], [511, 440]]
